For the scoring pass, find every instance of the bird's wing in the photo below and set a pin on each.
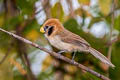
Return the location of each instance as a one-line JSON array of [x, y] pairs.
[[72, 38]]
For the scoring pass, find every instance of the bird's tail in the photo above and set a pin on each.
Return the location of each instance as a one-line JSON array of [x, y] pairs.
[[100, 56]]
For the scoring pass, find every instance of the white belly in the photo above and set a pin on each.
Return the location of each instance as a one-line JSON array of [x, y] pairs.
[[56, 42]]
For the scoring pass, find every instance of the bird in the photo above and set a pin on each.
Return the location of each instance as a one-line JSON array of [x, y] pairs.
[[67, 41]]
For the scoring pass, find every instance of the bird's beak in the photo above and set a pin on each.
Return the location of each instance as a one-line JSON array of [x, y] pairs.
[[42, 30]]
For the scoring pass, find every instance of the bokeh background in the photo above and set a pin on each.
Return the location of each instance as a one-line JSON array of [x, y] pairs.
[[97, 21]]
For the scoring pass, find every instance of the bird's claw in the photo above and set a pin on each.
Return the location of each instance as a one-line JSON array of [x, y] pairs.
[[60, 52], [73, 56]]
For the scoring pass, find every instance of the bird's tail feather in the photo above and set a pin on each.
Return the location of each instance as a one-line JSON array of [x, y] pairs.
[[100, 56]]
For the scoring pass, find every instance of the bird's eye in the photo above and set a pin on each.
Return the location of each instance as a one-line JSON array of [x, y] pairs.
[[45, 28]]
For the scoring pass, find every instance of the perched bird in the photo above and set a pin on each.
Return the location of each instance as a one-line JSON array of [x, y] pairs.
[[66, 41]]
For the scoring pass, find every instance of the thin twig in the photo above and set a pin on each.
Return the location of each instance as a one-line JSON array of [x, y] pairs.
[[46, 6], [6, 55], [22, 48], [58, 56], [71, 8], [111, 30], [43, 8], [112, 12], [24, 57], [112, 41]]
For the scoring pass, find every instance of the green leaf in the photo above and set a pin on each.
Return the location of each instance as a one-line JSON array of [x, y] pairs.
[[94, 20], [26, 6], [32, 25], [117, 23]]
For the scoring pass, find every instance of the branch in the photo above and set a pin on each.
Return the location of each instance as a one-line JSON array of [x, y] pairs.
[[58, 56]]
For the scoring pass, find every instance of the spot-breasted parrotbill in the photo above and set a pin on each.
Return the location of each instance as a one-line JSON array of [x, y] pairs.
[[64, 40]]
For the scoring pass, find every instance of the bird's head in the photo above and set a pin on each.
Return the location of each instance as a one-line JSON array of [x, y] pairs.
[[51, 27]]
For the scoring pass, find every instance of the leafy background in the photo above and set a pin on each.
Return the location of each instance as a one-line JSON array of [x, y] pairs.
[[91, 19]]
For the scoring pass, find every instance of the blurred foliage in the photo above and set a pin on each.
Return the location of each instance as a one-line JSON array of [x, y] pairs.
[[23, 17], [57, 11], [6, 72], [105, 6], [84, 2]]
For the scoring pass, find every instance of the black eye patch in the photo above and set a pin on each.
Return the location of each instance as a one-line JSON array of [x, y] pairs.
[[50, 30], [45, 28]]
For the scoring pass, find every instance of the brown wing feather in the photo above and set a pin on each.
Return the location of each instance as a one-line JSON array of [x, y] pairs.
[[72, 38]]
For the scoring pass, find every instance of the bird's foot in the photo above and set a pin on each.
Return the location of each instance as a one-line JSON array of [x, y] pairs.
[[73, 57], [60, 52]]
